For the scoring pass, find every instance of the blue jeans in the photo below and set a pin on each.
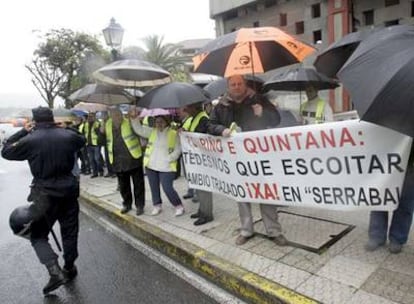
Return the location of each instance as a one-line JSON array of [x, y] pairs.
[[94, 153], [401, 220], [166, 180]]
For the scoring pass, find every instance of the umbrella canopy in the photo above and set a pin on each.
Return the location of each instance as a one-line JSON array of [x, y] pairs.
[[250, 51], [298, 79], [156, 112], [173, 95], [90, 107], [99, 93], [218, 87], [379, 77], [132, 73], [62, 114], [330, 61]]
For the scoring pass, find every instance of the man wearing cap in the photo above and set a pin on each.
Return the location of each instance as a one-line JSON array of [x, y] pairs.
[[50, 151]]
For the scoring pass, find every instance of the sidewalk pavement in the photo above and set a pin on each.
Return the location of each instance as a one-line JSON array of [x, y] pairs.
[[324, 263]]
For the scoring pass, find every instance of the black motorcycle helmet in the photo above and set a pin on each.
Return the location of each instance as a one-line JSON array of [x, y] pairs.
[[20, 221]]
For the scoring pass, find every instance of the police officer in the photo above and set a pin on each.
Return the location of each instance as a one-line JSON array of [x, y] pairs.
[[50, 151]]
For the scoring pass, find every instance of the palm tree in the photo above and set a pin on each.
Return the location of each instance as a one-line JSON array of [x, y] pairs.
[[165, 55]]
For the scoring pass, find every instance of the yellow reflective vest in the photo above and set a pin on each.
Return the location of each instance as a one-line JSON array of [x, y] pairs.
[[187, 123], [131, 140], [196, 120], [320, 111], [171, 142], [94, 135]]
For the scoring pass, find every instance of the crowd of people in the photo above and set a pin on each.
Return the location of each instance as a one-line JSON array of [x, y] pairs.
[[54, 167]]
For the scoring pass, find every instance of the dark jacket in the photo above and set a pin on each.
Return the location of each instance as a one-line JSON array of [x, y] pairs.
[[50, 151], [227, 111]]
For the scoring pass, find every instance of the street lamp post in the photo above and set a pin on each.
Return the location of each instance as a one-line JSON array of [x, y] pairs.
[[113, 35]]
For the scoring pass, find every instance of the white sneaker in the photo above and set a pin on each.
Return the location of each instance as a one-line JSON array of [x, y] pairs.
[[179, 210], [157, 210]]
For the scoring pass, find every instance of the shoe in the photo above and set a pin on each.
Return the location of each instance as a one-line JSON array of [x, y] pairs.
[[107, 175], [280, 240], [125, 209], [195, 215], [101, 174], [188, 195], [70, 273], [140, 211], [179, 210], [202, 221], [241, 240], [56, 279], [395, 247], [157, 210], [94, 175], [372, 244]]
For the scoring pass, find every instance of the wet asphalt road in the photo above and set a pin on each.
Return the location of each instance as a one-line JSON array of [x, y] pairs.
[[110, 270]]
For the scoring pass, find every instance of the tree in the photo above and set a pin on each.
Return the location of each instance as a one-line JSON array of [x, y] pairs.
[[165, 55], [63, 63], [133, 52]]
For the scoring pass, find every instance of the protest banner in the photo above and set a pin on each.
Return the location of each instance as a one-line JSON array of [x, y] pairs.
[[344, 165]]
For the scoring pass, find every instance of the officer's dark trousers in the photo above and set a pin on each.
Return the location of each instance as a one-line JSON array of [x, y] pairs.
[[50, 209]]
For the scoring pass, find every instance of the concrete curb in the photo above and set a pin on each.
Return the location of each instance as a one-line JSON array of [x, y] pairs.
[[244, 284]]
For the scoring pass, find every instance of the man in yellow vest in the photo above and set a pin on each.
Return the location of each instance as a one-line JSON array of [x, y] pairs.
[[315, 110], [199, 124], [91, 132], [125, 156]]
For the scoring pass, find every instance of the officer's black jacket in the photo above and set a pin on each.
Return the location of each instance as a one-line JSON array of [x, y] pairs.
[[50, 151]]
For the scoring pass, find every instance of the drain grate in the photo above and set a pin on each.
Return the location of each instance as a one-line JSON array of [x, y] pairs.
[[307, 232]]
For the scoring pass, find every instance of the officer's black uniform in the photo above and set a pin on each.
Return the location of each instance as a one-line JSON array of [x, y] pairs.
[[51, 152]]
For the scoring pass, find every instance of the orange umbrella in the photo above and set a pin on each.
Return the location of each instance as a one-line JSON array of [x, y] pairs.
[[250, 51]]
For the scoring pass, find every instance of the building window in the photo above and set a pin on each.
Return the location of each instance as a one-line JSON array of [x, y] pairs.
[[317, 36], [412, 8], [316, 10], [299, 27], [392, 22], [283, 19], [256, 24], [369, 17], [391, 2], [230, 15], [270, 3]]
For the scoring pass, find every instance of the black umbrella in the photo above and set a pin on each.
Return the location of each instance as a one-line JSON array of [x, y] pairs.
[[132, 73], [379, 77], [219, 86], [330, 60], [173, 95], [298, 79]]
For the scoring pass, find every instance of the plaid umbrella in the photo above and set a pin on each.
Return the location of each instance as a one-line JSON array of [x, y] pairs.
[[250, 51], [90, 107], [132, 73]]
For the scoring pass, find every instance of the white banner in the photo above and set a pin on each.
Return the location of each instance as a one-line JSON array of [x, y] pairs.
[[341, 165]]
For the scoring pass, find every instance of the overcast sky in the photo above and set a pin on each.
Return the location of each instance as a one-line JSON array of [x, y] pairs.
[[22, 21]]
